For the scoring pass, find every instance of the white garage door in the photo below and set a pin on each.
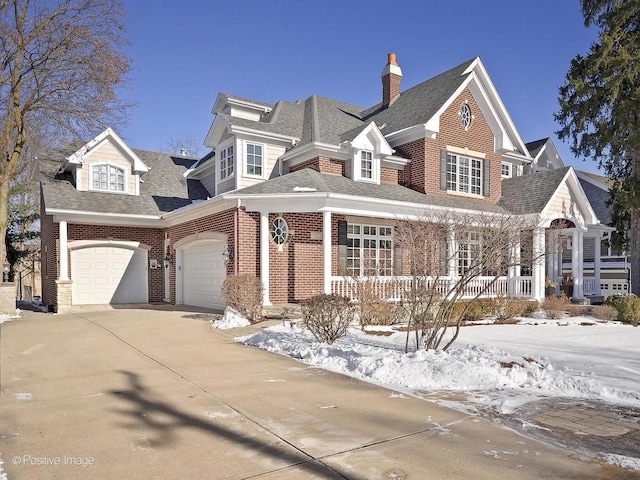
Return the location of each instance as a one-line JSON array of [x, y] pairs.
[[203, 274], [109, 275]]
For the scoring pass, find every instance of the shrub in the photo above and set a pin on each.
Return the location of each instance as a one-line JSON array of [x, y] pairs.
[[506, 308], [328, 316], [604, 312], [628, 307], [577, 310], [530, 307], [555, 307], [372, 309], [243, 292]]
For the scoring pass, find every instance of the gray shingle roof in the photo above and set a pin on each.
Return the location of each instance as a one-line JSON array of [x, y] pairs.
[[535, 146], [326, 183], [418, 104], [598, 199], [286, 118], [329, 121], [163, 188], [530, 193]]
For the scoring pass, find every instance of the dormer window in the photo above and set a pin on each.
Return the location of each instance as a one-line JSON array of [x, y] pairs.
[[226, 162], [366, 164], [108, 177]]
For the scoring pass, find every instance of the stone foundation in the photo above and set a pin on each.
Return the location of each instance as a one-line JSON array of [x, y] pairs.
[[8, 298], [64, 296]]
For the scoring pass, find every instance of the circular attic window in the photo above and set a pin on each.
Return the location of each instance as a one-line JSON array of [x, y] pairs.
[[279, 231], [465, 115]]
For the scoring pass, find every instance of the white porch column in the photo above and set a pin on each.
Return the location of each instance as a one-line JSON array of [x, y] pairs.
[[64, 252], [538, 263], [452, 267], [577, 263], [264, 257], [596, 265], [326, 252], [515, 286]]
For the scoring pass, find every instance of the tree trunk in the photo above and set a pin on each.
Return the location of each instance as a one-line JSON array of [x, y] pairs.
[[634, 250]]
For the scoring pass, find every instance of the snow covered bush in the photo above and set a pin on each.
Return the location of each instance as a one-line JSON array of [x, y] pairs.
[[243, 292], [628, 307], [604, 312], [328, 316]]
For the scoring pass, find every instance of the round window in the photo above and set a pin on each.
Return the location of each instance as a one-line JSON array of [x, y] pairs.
[[279, 231], [465, 115]]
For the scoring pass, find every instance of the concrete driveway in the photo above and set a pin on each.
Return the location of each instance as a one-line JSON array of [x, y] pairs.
[[155, 393]]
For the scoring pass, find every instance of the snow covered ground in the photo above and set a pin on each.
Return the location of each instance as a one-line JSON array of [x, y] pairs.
[[496, 366], [502, 366]]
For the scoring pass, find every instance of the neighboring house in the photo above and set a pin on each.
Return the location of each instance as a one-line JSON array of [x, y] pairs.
[[605, 270], [298, 194]]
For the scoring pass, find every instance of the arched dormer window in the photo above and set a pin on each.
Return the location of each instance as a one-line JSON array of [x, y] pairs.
[[107, 177]]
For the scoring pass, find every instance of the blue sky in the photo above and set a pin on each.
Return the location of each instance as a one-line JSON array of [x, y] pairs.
[[184, 53]]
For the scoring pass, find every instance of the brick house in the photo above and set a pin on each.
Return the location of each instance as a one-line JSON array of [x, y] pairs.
[[294, 193]]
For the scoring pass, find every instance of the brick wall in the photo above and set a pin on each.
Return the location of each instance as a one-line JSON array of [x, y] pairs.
[[322, 165], [388, 175], [149, 236], [424, 170], [222, 222]]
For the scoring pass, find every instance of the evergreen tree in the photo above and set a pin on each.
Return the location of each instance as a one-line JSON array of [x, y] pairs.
[[600, 108]]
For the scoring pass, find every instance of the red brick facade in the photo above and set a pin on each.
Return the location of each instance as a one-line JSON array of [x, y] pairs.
[[423, 173], [323, 165]]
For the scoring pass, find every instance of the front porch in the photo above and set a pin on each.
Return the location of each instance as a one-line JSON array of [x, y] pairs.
[[394, 288]]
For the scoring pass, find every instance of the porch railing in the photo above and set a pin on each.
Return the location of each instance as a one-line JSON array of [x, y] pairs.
[[395, 288]]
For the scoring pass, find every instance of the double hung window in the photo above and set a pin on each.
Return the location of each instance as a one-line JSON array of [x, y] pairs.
[[108, 177], [464, 174]]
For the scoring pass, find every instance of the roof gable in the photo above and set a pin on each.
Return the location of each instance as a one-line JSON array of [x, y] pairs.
[[108, 136]]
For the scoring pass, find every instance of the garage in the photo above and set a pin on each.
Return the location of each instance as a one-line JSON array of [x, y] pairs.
[[105, 274], [203, 273]]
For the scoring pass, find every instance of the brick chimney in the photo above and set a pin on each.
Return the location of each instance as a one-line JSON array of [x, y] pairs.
[[391, 76]]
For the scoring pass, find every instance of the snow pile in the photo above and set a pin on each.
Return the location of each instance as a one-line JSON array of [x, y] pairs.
[[230, 319], [499, 365], [623, 461]]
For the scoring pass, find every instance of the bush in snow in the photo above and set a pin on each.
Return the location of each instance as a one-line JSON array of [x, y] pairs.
[[328, 316], [555, 307], [578, 310], [506, 308], [604, 312], [243, 292], [371, 306], [628, 307]]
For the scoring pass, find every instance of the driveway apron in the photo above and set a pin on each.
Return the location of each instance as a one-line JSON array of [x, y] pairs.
[[156, 393]]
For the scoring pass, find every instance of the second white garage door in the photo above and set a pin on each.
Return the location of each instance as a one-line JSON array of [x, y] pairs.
[[204, 272], [108, 274]]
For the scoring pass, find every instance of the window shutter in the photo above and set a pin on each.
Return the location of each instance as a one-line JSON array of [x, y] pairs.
[[486, 179], [342, 247], [443, 170]]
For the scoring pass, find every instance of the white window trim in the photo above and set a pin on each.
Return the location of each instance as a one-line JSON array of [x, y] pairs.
[[458, 192], [511, 167], [375, 167], [361, 236], [120, 167], [245, 155], [221, 147]]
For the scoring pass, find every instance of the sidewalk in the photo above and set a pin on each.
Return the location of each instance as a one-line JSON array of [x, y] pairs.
[[131, 393]]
